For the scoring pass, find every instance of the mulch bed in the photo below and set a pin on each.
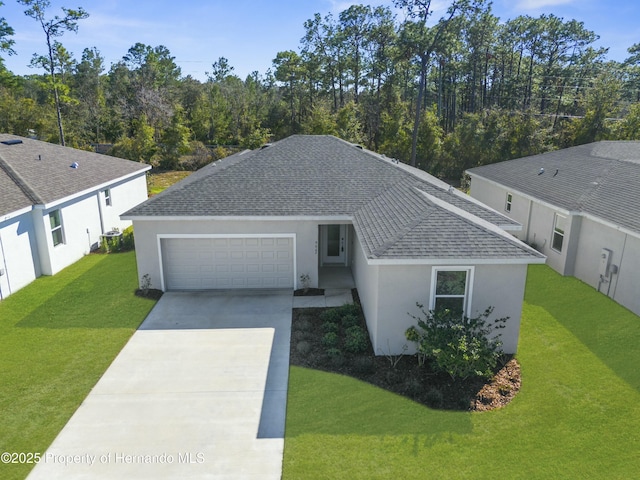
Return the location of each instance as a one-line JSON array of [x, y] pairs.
[[401, 374], [151, 293]]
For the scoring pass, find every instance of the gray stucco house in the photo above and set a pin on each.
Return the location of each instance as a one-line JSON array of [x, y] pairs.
[[55, 202], [579, 206], [309, 204]]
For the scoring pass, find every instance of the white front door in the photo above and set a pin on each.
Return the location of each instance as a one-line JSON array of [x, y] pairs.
[[334, 244]]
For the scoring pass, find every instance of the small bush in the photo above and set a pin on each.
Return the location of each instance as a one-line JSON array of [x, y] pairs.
[[460, 346], [127, 239], [356, 340], [303, 347], [348, 309], [330, 339], [350, 321], [332, 315], [334, 352], [330, 327]]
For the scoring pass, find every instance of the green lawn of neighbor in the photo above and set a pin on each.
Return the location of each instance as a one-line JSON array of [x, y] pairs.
[[57, 337], [160, 181], [576, 417]]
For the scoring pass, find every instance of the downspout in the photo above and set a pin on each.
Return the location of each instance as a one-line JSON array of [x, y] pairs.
[[100, 213]]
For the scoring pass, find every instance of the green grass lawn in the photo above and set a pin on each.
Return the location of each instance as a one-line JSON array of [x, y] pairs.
[[57, 337], [157, 182], [577, 415]]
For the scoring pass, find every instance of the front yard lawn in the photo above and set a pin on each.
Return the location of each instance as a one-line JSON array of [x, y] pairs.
[[57, 337], [576, 416]]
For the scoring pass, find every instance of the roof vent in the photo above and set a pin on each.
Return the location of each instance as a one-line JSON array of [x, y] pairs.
[[12, 142], [74, 165], [266, 145], [358, 146]]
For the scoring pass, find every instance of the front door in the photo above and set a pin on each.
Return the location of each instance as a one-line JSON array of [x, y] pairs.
[[334, 243]]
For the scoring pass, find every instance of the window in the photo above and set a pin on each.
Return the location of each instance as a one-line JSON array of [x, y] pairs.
[[107, 197], [558, 232], [507, 205], [451, 289], [56, 228]]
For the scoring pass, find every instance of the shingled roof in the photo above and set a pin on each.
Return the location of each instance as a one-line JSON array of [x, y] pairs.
[[39, 173], [601, 179], [397, 211]]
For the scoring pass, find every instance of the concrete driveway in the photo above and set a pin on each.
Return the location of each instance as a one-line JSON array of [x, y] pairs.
[[199, 391]]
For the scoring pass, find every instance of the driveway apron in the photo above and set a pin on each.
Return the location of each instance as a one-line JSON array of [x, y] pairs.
[[199, 391]]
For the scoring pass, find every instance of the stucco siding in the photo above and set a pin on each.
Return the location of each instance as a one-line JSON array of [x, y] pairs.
[[624, 286], [147, 233], [400, 287], [366, 280], [499, 286], [496, 197], [124, 195], [19, 259]]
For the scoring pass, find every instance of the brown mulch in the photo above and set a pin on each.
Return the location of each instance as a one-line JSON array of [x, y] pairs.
[[401, 374]]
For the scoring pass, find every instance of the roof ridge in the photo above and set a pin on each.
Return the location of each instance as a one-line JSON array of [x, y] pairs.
[[20, 182]]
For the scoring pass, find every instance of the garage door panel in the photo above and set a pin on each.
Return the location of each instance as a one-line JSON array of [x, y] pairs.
[[219, 263]]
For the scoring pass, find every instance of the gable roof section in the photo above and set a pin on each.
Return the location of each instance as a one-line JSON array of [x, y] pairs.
[[600, 179], [38, 173], [323, 176]]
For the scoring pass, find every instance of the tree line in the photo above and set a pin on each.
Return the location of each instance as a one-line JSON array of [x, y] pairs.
[[446, 95]]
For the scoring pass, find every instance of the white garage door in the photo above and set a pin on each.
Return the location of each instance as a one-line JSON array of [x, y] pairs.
[[217, 263]]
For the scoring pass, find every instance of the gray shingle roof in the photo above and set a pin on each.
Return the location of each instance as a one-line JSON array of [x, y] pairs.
[[601, 179], [323, 176], [35, 172]]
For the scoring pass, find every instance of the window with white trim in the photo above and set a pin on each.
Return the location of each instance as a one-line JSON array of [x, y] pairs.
[[507, 205], [107, 197], [559, 223], [57, 233], [451, 289]]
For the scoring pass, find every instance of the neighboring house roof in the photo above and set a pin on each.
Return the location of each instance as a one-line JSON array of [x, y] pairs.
[[39, 173], [398, 212], [601, 179]]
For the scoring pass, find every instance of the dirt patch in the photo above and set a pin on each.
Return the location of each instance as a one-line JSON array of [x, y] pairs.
[[401, 374]]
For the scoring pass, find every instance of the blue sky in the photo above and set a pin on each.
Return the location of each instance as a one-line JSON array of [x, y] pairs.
[[251, 32]]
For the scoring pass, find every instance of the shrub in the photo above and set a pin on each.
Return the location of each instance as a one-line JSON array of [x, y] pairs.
[[303, 347], [350, 321], [334, 352], [332, 315], [348, 309], [460, 346], [356, 340], [330, 339], [127, 239], [330, 327]]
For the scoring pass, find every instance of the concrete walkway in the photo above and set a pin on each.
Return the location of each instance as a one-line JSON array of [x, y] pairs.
[[198, 392]]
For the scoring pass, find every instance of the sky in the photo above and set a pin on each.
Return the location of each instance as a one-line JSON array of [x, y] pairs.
[[249, 33]]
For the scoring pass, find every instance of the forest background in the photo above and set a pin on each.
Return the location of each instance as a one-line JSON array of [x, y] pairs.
[[443, 94]]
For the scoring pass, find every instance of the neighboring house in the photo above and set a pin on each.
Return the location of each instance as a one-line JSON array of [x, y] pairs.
[[55, 202], [579, 206], [309, 204]]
